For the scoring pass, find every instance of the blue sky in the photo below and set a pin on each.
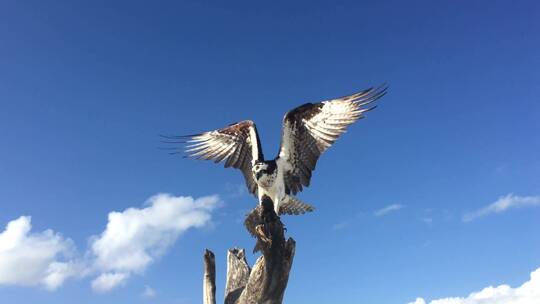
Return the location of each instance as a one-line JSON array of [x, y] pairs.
[[86, 87]]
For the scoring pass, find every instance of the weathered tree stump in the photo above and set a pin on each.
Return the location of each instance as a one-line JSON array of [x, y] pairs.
[[266, 282], [209, 281]]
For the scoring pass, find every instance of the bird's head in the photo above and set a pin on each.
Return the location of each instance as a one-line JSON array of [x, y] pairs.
[[259, 169]]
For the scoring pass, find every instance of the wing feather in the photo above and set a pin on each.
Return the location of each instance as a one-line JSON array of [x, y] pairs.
[[312, 128]]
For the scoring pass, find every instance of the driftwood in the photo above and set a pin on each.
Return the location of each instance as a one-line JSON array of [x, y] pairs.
[[266, 282]]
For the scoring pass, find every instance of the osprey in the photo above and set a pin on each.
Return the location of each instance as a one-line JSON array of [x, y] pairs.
[[308, 131]]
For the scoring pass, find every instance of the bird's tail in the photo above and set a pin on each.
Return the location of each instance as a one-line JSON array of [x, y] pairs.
[[293, 206]]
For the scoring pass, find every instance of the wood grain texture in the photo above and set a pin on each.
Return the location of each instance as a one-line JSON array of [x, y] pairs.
[[209, 281], [267, 281], [238, 272]]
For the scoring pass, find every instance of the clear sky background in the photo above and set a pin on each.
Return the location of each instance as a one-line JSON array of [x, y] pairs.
[[403, 199]]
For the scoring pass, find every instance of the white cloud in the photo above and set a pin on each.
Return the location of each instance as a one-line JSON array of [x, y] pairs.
[[527, 293], [107, 281], [388, 209], [148, 292], [34, 259], [502, 204], [134, 238]]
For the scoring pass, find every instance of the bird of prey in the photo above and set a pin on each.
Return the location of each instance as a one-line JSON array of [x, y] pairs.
[[308, 131]]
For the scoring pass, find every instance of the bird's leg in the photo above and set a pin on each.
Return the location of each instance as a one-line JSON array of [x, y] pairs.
[[277, 203], [261, 195], [265, 213]]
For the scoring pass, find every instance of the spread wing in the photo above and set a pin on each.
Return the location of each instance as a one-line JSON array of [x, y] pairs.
[[238, 145], [310, 129]]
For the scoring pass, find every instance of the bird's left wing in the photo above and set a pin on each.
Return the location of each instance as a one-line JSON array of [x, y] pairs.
[[238, 145], [310, 129]]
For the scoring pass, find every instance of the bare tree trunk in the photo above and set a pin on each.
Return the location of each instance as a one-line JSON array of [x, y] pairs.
[[266, 282], [209, 282]]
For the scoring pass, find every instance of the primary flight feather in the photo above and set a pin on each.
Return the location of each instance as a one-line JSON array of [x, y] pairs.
[[308, 131]]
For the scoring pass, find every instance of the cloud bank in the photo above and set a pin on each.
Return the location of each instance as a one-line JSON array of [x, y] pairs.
[[504, 203], [132, 240], [527, 293]]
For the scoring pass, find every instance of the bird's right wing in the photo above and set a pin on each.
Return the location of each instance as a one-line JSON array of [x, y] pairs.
[[238, 145], [310, 129]]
